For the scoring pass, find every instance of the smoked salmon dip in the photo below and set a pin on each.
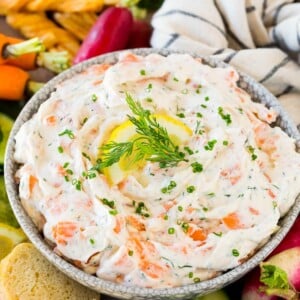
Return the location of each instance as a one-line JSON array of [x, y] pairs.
[[155, 171]]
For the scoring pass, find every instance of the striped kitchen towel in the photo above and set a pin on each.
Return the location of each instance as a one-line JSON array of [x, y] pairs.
[[258, 37]]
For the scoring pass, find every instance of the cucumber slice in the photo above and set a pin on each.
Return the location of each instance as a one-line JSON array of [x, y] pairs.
[[6, 213], [6, 124], [218, 295]]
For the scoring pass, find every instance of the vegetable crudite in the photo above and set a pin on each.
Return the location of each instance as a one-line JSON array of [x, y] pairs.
[[171, 219]]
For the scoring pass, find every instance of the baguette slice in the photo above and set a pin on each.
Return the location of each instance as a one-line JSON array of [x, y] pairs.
[[26, 275]]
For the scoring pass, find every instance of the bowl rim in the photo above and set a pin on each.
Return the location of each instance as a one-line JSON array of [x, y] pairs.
[[106, 286]]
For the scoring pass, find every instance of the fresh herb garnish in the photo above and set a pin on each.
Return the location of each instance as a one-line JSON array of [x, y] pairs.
[[143, 72], [171, 230], [190, 189], [169, 188], [67, 132], [235, 252], [94, 97], [197, 168], [142, 210], [60, 149], [210, 145], [152, 143], [180, 115], [225, 117]]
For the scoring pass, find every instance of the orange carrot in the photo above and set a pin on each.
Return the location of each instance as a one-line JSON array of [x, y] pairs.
[[12, 82], [232, 221], [32, 181], [25, 61], [134, 222], [197, 234], [151, 269], [253, 211], [64, 230]]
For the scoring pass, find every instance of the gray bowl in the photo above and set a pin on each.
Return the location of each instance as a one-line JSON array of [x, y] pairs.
[[258, 93]]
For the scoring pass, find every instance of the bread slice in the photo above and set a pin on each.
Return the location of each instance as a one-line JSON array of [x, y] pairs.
[[26, 275]]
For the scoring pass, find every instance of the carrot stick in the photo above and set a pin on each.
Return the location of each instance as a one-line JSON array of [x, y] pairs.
[[10, 52], [12, 82]]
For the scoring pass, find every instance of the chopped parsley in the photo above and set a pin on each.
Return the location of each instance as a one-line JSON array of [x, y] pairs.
[[185, 227], [251, 151], [92, 241], [225, 143], [130, 252], [143, 72], [175, 79], [109, 203], [203, 105], [197, 168], [210, 145], [149, 87], [191, 275], [180, 208], [206, 98], [142, 210], [199, 115], [219, 234], [190, 189], [196, 279], [113, 212], [180, 115]]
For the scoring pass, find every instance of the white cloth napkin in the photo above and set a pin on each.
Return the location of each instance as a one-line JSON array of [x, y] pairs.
[[258, 37]]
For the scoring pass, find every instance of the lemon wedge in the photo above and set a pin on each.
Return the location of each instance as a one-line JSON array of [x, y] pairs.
[[9, 238], [178, 132]]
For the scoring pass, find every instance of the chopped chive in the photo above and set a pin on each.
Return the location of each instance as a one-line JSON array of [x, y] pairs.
[[171, 230], [205, 209], [180, 208], [199, 115], [66, 178], [149, 100], [60, 149], [175, 79], [190, 189], [85, 155], [196, 279], [225, 143], [66, 165], [235, 252], [206, 98], [225, 117], [219, 234], [203, 105], [92, 241], [69, 171], [164, 190], [191, 275], [143, 72], [113, 212], [185, 227], [67, 132], [109, 203], [94, 98], [211, 194]]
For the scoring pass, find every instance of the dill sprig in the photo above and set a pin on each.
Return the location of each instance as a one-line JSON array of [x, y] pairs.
[[152, 143]]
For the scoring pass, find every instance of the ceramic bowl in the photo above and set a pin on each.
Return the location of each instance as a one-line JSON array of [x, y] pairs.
[[258, 93]]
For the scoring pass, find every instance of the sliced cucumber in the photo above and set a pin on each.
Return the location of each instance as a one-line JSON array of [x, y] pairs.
[[6, 213], [6, 124], [218, 295]]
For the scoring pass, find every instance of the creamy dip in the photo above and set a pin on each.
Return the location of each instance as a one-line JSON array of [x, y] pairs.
[[157, 227]]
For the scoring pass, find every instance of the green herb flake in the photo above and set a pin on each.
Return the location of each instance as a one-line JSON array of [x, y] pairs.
[[86, 156], [199, 115], [188, 150], [191, 275], [190, 189], [166, 217], [185, 91], [180, 115], [203, 105], [92, 241], [219, 234], [149, 100], [113, 212], [235, 252], [143, 72], [225, 143], [149, 88], [210, 145], [225, 117], [67, 132], [142, 210], [169, 188], [206, 98], [60, 149], [196, 279], [197, 167], [185, 227], [175, 79], [171, 230], [66, 164], [94, 98], [130, 253], [180, 208], [109, 203]]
